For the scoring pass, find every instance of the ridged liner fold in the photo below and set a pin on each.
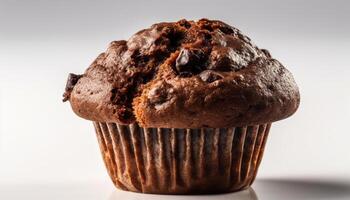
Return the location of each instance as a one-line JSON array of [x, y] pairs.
[[181, 161]]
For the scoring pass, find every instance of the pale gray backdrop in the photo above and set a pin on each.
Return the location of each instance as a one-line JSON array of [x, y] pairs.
[[42, 141]]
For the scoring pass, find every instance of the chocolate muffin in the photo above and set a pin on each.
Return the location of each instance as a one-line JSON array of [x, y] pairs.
[[183, 107]]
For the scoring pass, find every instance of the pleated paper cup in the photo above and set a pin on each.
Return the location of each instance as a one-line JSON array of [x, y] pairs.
[[181, 161]]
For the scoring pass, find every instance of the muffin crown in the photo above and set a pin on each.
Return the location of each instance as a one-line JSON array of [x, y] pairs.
[[185, 74]]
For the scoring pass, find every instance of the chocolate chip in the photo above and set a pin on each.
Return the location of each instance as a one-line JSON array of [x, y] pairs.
[[183, 58], [209, 76], [221, 63], [71, 81], [266, 52], [221, 60], [226, 29], [271, 87], [185, 23], [190, 61]]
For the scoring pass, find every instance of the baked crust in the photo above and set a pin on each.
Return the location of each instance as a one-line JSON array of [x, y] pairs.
[[185, 74]]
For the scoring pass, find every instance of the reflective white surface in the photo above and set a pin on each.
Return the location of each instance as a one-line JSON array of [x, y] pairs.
[[304, 189], [265, 189]]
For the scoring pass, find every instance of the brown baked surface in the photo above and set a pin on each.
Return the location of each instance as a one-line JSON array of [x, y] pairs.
[[185, 74]]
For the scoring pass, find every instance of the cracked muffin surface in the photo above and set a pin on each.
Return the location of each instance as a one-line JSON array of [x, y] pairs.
[[186, 74]]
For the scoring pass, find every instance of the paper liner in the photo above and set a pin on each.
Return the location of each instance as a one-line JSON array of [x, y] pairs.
[[181, 161]]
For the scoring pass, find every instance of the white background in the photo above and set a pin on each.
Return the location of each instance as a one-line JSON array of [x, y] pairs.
[[48, 152]]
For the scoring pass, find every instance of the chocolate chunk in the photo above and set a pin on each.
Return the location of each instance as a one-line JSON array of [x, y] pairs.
[[190, 61], [183, 58], [209, 76], [71, 81]]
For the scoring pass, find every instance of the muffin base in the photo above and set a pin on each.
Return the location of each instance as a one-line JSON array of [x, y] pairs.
[[181, 161]]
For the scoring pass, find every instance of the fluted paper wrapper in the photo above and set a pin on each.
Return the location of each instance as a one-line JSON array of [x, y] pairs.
[[181, 161]]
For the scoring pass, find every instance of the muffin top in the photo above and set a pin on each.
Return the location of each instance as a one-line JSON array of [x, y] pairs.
[[186, 74]]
